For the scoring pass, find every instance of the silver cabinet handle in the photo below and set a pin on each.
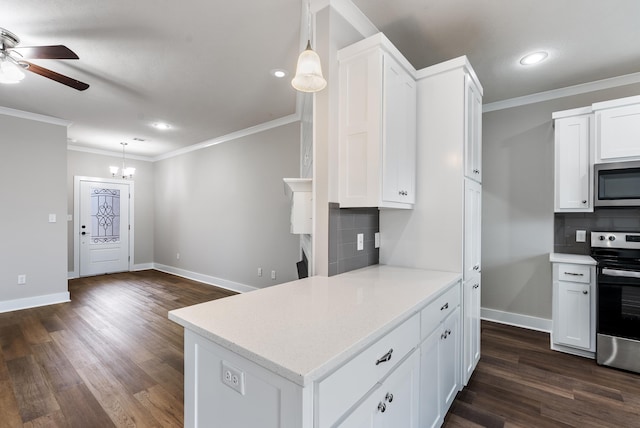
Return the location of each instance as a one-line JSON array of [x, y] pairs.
[[382, 407], [403, 193], [445, 306], [445, 334], [574, 274], [584, 201], [386, 357], [585, 292], [476, 267], [389, 397], [476, 286]]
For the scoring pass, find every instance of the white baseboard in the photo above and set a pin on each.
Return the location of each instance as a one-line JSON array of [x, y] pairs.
[[141, 266], [517, 320], [34, 302], [207, 279]]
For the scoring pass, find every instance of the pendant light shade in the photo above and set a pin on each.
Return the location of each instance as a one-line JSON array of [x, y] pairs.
[[10, 72], [308, 76]]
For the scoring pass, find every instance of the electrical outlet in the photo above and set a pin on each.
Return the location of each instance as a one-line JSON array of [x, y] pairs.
[[360, 241], [259, 271], [581, 235], [273, 274], [22, 279], [376, 238], [177, 256], [233, 377]]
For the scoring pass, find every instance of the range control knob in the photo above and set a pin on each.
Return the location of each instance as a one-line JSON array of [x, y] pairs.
[[601, 237], [612, 238]]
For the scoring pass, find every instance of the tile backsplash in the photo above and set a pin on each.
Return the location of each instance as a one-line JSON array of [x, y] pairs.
[[601, 220], [344, 226]]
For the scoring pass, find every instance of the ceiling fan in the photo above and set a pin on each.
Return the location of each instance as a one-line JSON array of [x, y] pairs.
[[12, 61]]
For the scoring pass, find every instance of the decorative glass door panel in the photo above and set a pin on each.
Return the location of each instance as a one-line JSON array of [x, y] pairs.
[[105, 215]]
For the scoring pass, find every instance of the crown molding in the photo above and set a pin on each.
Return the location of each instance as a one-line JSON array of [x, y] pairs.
[[232, 136], [107, 153], [583, 88], [34, 116]]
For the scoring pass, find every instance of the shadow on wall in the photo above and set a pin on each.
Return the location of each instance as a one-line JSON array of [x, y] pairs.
[[531, 292]]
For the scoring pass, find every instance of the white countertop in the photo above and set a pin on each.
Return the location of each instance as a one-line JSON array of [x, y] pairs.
[[571, 258], [303, 329]]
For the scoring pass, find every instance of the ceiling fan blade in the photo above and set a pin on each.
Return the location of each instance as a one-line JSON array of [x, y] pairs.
[[73, 83], [46, 52]]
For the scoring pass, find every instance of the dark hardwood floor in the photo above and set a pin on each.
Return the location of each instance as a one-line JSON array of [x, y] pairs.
[[109, 358], [520, 382], [112, 358]]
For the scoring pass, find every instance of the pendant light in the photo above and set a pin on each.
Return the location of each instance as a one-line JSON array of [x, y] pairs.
[[126, 172], [308, 76]]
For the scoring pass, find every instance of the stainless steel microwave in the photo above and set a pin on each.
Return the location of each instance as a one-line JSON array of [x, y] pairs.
[[617, 184]]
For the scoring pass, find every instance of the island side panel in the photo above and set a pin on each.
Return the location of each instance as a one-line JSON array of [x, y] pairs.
[[269, 400]]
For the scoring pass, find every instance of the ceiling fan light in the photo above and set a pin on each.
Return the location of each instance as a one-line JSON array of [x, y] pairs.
[[10, 72], [308, 76]]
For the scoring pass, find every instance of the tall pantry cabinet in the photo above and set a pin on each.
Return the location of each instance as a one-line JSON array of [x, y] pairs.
[[442, 231]]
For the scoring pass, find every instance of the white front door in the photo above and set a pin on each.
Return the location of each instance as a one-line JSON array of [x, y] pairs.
[[103, 227]]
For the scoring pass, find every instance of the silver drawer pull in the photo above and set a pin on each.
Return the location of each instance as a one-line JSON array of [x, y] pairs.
[[445, 306], [382, 407], [386, 357], [476, 286], [585, 292], [389, 397], [574, 274]]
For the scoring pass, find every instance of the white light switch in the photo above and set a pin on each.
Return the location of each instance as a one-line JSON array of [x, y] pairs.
[[376, 238], [52, 218], [581, 235], [360, 241]]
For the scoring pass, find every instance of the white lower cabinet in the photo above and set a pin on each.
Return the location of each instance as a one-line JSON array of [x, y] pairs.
[[574, 308], [407, 378], [440, 370], [471, 326], [394, 402]]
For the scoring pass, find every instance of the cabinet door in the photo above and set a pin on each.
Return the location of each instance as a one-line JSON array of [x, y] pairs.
[[472, 228], [471, 326], [572, 164], [473, 131], [359, 124], [399, 139], [572, 324], [449, 360], [618, 133], [430, 408], [394, 403]]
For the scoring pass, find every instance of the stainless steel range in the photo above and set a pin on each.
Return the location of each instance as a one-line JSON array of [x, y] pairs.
[[618, 299]]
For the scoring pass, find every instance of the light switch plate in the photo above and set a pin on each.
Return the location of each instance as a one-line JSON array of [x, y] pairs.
[[52, 218], [581, 235], [360, 241], [376, 239]]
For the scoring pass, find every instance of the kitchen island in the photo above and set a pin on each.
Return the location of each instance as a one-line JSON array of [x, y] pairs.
[[314, 352]]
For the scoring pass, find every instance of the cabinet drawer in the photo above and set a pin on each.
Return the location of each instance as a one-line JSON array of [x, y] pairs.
[[574, 273], [343, 388], [438, 310]]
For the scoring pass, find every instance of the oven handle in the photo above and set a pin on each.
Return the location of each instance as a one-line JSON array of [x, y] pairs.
[[623, 273]]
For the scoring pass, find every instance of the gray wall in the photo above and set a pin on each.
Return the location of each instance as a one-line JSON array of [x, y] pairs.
[[95, 165], [517, 213], [224, 210], [32, 185]]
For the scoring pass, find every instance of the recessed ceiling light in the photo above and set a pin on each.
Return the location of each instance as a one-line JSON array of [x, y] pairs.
[[279, 73], [534, 58], [161, 125]]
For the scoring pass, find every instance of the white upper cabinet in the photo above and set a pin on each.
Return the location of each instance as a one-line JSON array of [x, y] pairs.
[[618, 130], [377, 126], [573, 164], [473, 131]]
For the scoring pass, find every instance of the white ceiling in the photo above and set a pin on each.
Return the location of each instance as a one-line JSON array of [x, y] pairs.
[[203, 66]]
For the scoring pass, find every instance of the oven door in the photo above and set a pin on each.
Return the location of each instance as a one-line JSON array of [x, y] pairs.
[[618, 318]]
